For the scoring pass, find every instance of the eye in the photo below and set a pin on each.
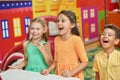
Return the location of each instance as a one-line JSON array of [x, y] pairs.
[[38, 28], [31, 28], [63, 20], [103, 34], [110, 35], [57, 21]]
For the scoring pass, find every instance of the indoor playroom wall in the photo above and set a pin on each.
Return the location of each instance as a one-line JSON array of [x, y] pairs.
[[15, 16]]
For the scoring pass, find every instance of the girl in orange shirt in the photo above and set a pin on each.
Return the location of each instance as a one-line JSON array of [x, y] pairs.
[[70, 55]]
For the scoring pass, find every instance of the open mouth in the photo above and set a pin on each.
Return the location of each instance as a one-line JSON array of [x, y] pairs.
[[105, 41], [60, 28]]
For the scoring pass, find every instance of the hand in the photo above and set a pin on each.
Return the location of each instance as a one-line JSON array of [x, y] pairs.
[[13, 67], [66, 73], [41, 47], [45, 72]]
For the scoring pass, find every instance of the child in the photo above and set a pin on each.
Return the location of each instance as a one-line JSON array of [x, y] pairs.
[[37, 50], [70, 54], [107, 62]]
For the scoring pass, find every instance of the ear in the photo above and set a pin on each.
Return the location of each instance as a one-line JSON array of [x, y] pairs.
[[117, 41], [45, 29], [72, 25]]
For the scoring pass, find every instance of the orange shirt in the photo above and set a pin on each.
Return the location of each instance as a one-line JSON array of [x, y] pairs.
[[69, 54]]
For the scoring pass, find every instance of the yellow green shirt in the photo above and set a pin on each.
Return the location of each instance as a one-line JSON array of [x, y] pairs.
[[107, 66]]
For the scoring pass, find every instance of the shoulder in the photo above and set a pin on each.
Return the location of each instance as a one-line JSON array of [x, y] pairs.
[[117, 52], [76, 39], [47, 44], [25, 43], [57, 37], [99, 54]]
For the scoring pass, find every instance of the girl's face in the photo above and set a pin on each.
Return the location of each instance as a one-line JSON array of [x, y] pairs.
[[107, 38], [36, 30], [64, 25]]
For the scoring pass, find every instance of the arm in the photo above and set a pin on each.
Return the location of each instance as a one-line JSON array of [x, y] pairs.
[[45, 72], [52, 66], [96, 68], [79, 68], [24, 62], [97, 76], [49, 58], [81, 53], [46, 51], [73, 72]]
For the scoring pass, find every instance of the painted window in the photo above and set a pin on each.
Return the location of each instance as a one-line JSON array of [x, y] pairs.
[[71, 0], [53, 30], [5, 29], [92, 13], [55, 0], [85, 14], [17, 27], [92, 27], [40, 0], [27, 24], [114, 1]]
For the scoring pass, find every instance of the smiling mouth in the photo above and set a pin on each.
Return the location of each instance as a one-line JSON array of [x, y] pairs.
[[105, 41], [60, 28]]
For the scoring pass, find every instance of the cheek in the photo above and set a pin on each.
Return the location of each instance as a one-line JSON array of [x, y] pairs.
[[117, 41], [31, 31], [41, 31], [101, 38]]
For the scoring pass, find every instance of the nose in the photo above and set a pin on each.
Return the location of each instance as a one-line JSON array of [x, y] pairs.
[[34, 30], [105, 35]]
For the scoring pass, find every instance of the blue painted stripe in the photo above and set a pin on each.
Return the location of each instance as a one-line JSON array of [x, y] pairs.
[[14, 4]]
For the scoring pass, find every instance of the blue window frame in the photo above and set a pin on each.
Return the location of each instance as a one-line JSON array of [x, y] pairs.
[[5, 29], [27, 24]]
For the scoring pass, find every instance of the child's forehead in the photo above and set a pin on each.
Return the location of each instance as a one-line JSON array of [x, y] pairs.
[[36, 24], [108, 30]]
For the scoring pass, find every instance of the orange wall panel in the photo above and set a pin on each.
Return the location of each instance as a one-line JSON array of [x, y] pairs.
[[114, 18]]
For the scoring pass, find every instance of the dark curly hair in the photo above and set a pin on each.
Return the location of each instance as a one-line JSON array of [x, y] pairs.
[[115, 28]]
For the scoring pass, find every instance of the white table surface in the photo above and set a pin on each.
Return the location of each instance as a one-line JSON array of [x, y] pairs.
[[28, 75]]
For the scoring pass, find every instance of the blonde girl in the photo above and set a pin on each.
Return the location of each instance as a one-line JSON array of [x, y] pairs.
[[37, 50]]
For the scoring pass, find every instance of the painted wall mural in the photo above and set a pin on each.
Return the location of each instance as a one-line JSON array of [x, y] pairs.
[[14, 22], [15, 16]]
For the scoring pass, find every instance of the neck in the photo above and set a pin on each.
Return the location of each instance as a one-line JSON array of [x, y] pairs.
[[109, 50], [66, 37], [36, 40]]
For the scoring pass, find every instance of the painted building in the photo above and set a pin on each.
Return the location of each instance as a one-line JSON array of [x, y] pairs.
[[15, 18], [89, 24], [14, 22], [45, 7]]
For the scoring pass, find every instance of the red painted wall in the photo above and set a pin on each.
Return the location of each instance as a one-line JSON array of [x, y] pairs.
[[113, 17], [85, 3], [9, 14]]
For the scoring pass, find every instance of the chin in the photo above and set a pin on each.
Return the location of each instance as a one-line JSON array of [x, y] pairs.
[[104, 46], [35, 37], [60, 34]]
